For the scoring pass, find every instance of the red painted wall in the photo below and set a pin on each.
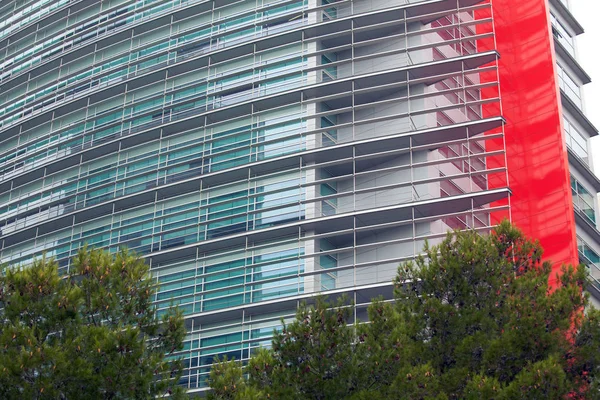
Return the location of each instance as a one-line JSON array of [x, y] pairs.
[[538, 169]]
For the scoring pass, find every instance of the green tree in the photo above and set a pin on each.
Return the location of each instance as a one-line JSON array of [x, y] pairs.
[[311, 358], [93, 334], [473, 318]]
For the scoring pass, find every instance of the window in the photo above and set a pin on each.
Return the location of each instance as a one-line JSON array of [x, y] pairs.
[[569, 86], [562, 35], [583, 200], [576, 141]]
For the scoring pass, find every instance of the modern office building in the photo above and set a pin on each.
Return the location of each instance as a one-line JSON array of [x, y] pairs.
[[578, 130], [259, 152]]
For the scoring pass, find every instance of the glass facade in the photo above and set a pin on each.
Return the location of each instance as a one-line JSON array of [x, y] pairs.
[[255, 152]]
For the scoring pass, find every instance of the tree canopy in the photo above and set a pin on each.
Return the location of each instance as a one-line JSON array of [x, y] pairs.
[[92, 334], [473, 318]]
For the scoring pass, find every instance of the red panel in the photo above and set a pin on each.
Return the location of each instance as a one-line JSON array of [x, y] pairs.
[[541, 203]]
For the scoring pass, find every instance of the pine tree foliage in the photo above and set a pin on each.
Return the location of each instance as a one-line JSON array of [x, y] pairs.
[[93, 334], [473, 318]]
